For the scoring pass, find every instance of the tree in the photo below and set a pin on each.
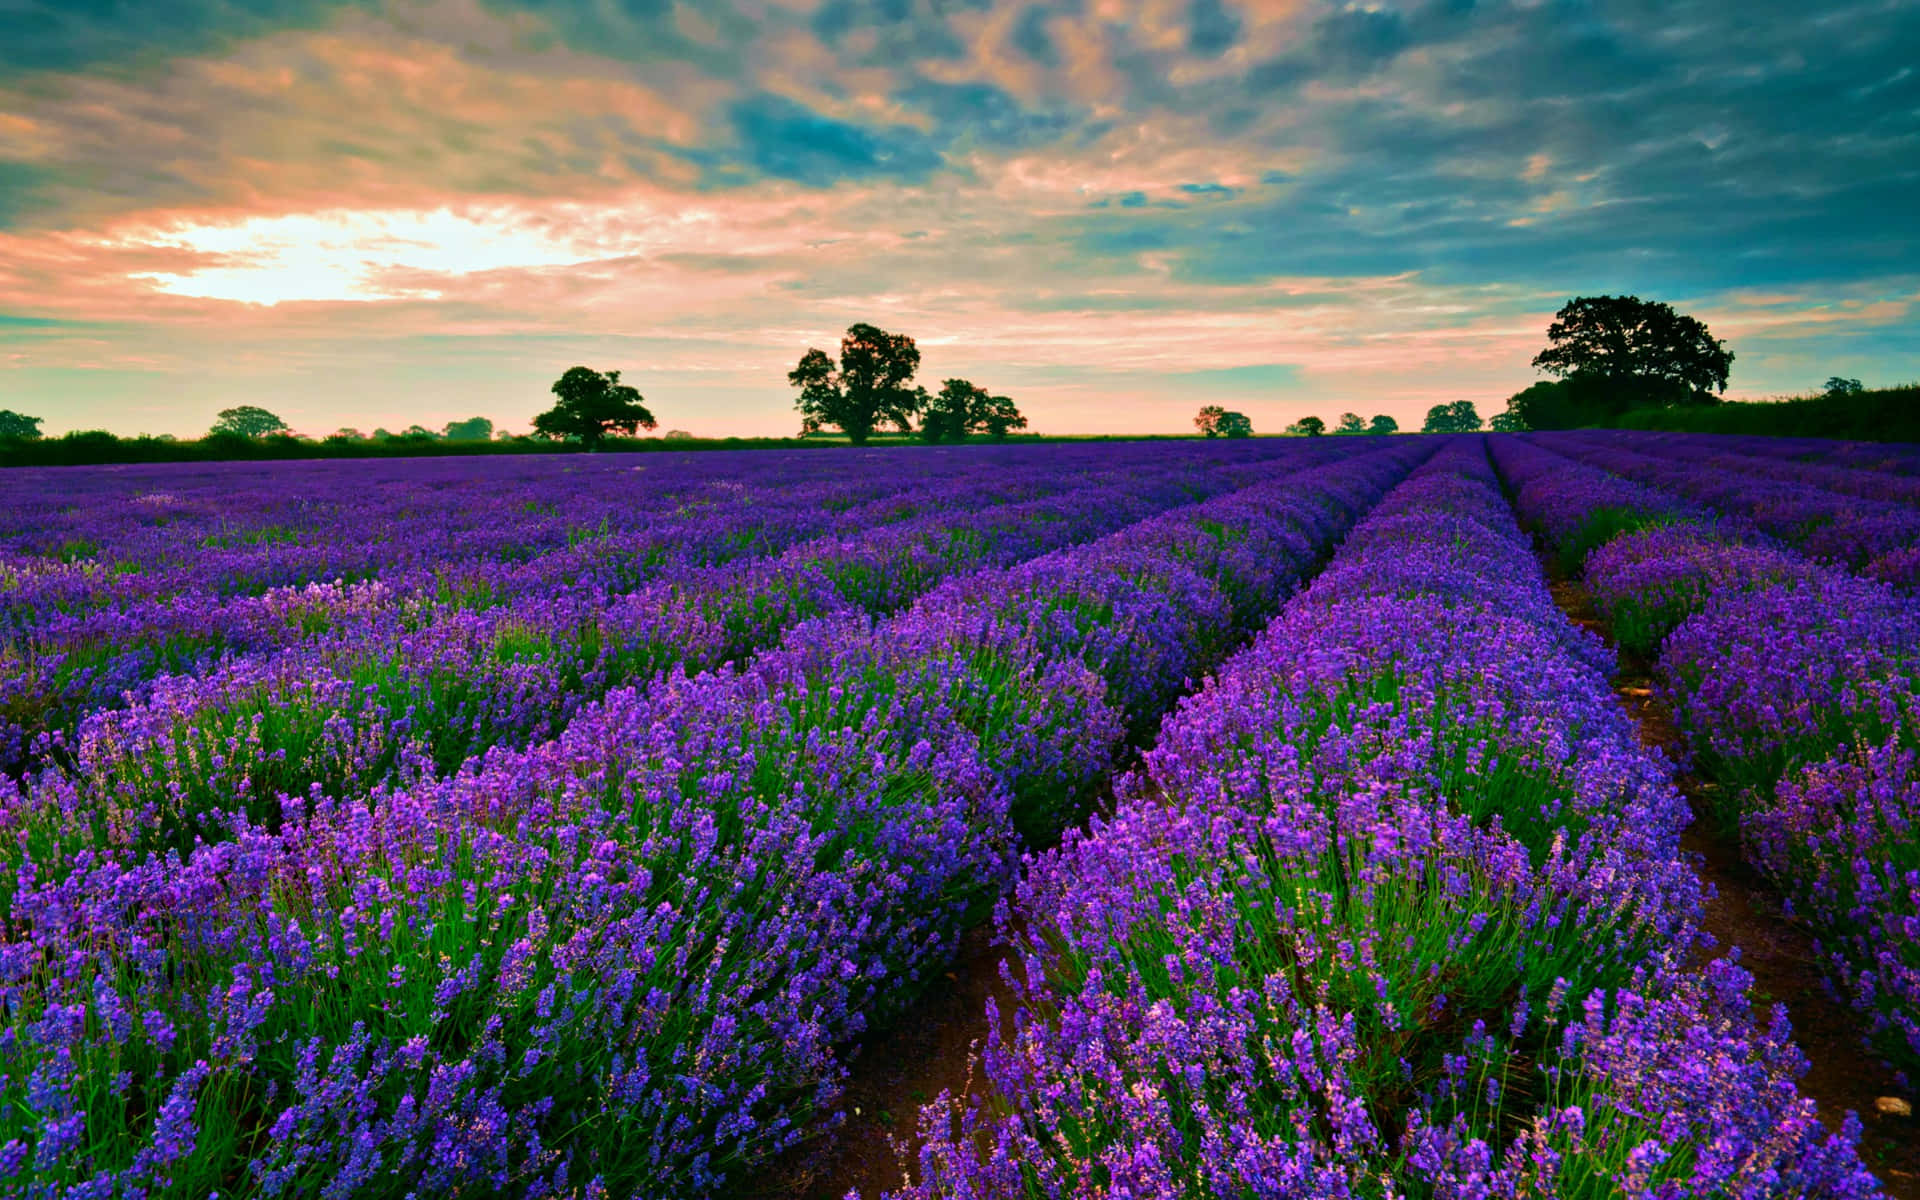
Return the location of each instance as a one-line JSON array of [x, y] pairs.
[[346, 434], [1657, 356], [19, 425], [1576, 402], [1307, 427], [1207, 420], [1382, 425], [961, 408], [871, 385], [591, 406], [998, 416], [1838, 387], [1507, 422], [473, 429], [1351, 423], [1458, 417], [1235, 425], [248, 421]]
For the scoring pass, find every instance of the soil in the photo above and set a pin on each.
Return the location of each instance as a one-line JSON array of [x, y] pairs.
[[932, 1048], [1747, 914]]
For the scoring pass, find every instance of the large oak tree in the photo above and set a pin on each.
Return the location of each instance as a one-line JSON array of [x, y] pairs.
[[870, 386], [592, 405], [1642, 348]]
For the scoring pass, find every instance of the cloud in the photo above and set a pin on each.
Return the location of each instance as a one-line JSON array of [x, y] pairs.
[[787, 140], [23, 188], [1252, 376], [1386, 194], [70, 35], [1212, 27]]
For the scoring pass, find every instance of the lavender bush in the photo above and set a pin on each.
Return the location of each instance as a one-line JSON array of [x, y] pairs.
[[1796, 685], [625, 960], [1395, 907]]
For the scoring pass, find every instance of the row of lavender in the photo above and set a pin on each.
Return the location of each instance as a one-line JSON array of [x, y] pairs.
[[391, 700], [1395, 907], [1861, 520], [626, 958], [1797, 687], [158, 595], [1882, 458]]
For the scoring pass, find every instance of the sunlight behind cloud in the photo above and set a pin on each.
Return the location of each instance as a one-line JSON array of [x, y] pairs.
[[351, 256]]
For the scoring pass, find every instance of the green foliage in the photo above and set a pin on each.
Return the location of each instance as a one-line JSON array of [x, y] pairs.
[[1307, 427], [591, 406], [1644, 347], [1458, 417], [473, 429], [962, 408], [1214, 421], [1351, 423], [1507, 422], [1839, 387], [1871, 414], [248, 421], [1581, 402], [1602, 526], [1382, 424], [18, 425], [871, 385]]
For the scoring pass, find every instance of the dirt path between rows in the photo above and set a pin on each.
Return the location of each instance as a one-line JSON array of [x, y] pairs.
[[929, 1049], [1745, 912]]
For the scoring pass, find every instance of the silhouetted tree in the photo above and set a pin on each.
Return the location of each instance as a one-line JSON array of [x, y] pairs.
[[1307, 427], [677, 435], [1207, 420], [1507, 422], [19, 425], [1576, 402], [591, 406], [473, 429], [961, 408], [1838, 387], [248, 420], [346, 434], [1382, 425], [1458, 417], [871, 385], [1351, 423], [1657, 356], [998, 416]]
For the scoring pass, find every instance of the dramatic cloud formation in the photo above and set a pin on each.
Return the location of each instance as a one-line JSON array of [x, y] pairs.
[[410, 210]]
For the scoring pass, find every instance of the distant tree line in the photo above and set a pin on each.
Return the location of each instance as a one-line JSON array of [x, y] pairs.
[[1615, 361], [1855, 411], [871, 386], [1624, 362]]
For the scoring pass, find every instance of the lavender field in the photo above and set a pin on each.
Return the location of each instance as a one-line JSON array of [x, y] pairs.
[[565, 826]]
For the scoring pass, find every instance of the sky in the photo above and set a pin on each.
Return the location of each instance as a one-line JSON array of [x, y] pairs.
[[387, 212]]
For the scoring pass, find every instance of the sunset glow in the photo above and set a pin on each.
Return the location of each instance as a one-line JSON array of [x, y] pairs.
[[415, 210]]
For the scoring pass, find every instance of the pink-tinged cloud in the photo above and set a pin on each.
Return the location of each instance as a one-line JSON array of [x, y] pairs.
[[1115, 209]]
